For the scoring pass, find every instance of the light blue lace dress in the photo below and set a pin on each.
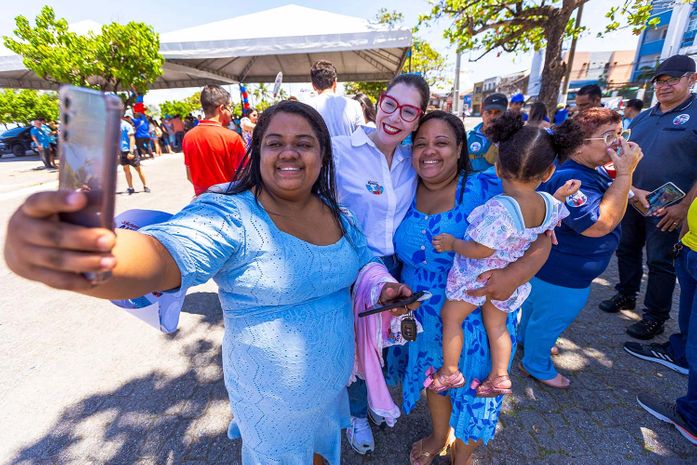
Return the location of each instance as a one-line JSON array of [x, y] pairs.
[[425, 269], [288, 348]]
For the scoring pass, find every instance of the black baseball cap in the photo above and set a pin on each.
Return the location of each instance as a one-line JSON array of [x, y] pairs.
[[676, 66], [495, 102]]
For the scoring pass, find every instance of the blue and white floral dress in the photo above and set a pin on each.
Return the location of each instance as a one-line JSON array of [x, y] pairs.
[[472, 418]]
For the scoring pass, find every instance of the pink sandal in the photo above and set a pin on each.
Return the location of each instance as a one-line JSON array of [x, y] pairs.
[[491, 387], [439, 383]]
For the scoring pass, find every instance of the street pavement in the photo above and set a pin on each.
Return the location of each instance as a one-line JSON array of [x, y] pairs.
[[83, 382]]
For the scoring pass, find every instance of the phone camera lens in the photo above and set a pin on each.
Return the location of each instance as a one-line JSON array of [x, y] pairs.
[[66, 102], [66, 118], [65, 136]]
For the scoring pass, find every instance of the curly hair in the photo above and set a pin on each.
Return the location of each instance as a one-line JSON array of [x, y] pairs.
[[527, 152], [588, 121]]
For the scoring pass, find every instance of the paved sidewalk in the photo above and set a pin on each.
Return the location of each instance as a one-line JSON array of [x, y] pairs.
[[81, 382], [171, 414]]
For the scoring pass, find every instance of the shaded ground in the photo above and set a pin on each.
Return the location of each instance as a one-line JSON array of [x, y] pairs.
[[158, 418]]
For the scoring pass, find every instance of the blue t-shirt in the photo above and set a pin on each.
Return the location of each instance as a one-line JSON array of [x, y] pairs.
[[125, 140], [479, 148], [669, 143], [560, 116], [142, 127], [48, 131], [41, 136], [577, 260]]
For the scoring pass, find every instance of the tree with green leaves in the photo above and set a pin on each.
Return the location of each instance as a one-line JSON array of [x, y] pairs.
[[181, 107], [24, 106], [122, 58], [424, 59], [523, 26]]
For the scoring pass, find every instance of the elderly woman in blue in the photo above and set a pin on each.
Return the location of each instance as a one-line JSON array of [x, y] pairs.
[[376, 181], [587, 237], [447, 193], [284, 257]]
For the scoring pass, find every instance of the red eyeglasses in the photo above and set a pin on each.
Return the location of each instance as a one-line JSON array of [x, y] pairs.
[[389, 105]]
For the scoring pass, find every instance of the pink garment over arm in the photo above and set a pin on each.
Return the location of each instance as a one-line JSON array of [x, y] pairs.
[[371, 332]]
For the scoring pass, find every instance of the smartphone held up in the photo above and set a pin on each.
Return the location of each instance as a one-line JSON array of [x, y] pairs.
[[88, 149]]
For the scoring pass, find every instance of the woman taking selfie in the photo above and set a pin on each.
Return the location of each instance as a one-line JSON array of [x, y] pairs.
[[268, 242]]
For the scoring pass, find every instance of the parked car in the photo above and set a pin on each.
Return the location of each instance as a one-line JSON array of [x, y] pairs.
[[16, 141]]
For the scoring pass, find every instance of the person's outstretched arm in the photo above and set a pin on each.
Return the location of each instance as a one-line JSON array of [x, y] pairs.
[[42, 248]]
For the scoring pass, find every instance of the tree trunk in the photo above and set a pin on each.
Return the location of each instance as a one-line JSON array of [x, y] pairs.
[[554, 68]]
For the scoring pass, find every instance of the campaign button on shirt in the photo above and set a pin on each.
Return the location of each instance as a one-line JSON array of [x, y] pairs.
[[578, 199], [681, 119], [374, 188]]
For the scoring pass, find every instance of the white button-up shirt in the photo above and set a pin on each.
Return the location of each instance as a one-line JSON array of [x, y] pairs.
[[342, 115], [377, 194]]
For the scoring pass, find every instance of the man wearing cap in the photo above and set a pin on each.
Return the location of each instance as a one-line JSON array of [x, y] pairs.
[[482, 152], [667, 134], [517, 102]]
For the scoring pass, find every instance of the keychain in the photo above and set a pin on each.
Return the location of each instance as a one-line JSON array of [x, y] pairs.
[[408, 327]]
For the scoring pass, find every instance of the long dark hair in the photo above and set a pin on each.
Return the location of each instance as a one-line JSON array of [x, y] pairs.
[[538, 112], [248, 175], [367, 106], [463, 160]]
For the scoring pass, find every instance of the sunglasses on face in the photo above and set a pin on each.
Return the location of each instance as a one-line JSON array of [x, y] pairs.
[[611, 137], [389, 105]]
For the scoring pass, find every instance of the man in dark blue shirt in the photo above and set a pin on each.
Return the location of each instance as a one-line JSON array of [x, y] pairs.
[[667, 134]]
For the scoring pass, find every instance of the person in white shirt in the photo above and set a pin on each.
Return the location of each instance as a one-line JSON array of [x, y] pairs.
[[377, 182], [341, 114]]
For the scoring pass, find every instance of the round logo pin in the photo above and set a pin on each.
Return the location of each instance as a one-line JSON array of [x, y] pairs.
[[681, 119], [374, 188], [475, 146], [578, 199]]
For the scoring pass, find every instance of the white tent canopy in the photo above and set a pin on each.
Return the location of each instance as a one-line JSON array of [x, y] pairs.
[[255, 47]]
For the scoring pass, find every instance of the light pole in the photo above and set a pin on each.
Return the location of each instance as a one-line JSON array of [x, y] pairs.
[[456, 85]]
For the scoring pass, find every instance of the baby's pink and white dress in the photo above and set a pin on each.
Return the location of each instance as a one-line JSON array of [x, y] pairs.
[[499, 225]]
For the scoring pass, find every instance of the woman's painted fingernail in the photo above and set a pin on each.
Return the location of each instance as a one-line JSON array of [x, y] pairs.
[[73, 199], [104, 242], [107, 263]]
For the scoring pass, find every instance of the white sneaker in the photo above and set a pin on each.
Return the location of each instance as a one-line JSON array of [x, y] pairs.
[[378, 420], [360, 436]]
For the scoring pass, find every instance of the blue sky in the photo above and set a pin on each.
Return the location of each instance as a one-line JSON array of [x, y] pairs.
[[171, 15]]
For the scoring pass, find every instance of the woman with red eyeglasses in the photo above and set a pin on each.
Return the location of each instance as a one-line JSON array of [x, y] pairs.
[[376, 181]]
